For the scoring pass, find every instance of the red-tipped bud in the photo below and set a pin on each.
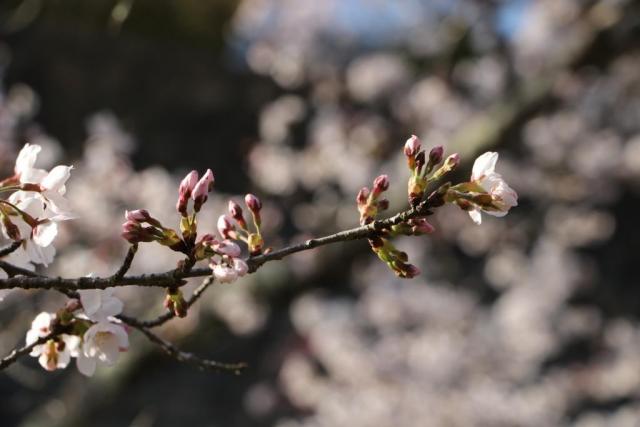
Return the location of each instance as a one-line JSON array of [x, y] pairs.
[[184, 192], [380, 184], [138, 215], [201, 190], [253, 203], [412, 146], [363, 196], [226, 227], [420, 160], [229, 248], [421, 226], [236, 213], [435, 155]]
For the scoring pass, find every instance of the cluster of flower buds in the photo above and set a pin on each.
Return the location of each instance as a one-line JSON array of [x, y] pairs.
[[90, 333], [140, 226], [369, 201], [241, 230], [396, 259], [425, 170], [193, 188], [224, 258]]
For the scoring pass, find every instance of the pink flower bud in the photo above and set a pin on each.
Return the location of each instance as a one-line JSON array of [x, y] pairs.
[[184, 192], [138, 215], [229, 248], [225, 226], [362, 196], [452, 161], [201, 190], [421, 226], [253, 203], [380, 184], [412, 146], [435, 155], [188, 183], [420, 160], [235, 210]]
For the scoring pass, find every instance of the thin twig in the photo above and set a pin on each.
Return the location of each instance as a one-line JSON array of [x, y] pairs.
[[11, 248], [162, 319], [23, 351], [183, 356], [126, 264]]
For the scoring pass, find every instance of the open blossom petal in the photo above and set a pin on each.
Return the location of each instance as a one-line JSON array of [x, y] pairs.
[[105, 341], [55, 180], [100, 304], [27, 158], [224, 274], [44, 233], [484, 165]]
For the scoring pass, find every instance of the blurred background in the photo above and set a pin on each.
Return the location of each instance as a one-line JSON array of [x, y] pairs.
[[529, 320]]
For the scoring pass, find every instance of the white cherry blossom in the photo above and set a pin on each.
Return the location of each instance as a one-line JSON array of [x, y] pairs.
[[99, 304], [102, 343], [484, 175]]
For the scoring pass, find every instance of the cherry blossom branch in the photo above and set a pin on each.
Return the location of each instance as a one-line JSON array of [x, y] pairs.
[[10, 249], [170, 278]]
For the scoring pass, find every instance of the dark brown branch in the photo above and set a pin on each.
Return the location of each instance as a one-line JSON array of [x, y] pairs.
[[11, 248], [126, 264], [183, 356], [173, 277]]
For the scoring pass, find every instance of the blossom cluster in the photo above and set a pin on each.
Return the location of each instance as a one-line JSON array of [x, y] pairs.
[[486, 191], [31, 213], [88, 330]]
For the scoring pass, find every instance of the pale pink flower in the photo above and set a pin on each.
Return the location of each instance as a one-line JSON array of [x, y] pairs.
[[224, 273], [102, 343], [100, 304], [485, 176]]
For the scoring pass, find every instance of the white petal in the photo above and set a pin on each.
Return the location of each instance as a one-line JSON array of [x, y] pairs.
[[484, 165], [86, 365], [109, 350], [32, 176], [64, 357], [56, 179], [59, 206], [476, 216], [91, 300], [111, 306], [45, 233], [27, 157], [123, 337]]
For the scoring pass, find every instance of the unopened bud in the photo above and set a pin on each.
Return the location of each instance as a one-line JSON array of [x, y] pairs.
[[175, 302], [435, 155], [421, 226], [383, 204], [452, 161], [363, 196], [255, 243], [412, 146], [380, 184], [201, 190], [184, 192], [229, 248], [236, 213], [138, 215], [226, 227], [420, 161], [254, 204]]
